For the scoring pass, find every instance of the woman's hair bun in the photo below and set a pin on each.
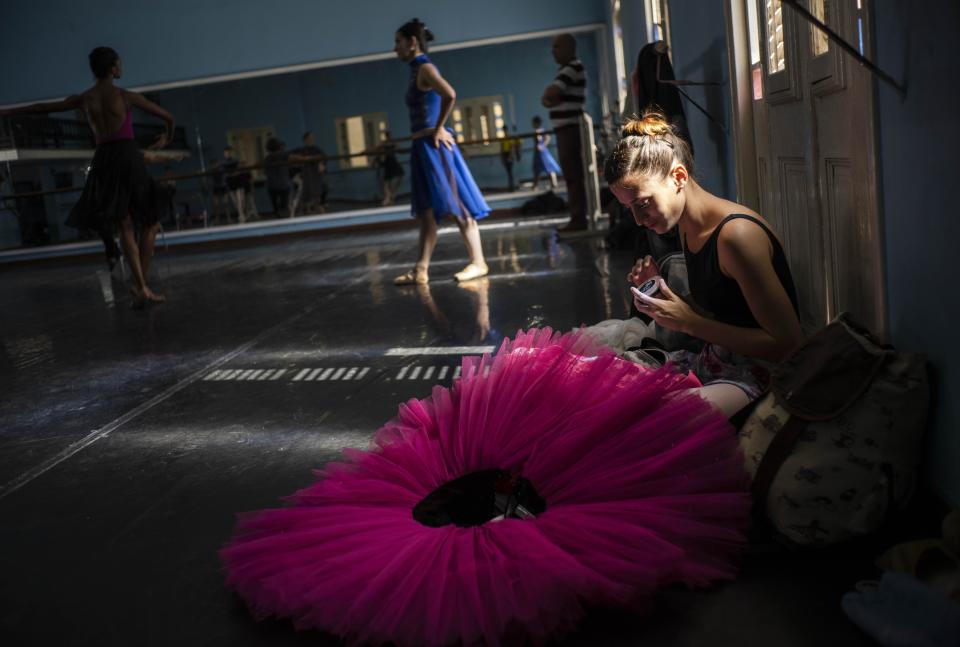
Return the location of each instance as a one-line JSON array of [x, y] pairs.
[[422, 27], [651, 124], [415, 28], [648, 146]]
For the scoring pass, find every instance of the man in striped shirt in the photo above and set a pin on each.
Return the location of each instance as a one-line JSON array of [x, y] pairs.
[[565, 98]]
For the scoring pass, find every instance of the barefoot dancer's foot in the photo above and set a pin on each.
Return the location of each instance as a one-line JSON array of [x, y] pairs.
[[414, 276], [153, 297], [471, 271], [145, 296]]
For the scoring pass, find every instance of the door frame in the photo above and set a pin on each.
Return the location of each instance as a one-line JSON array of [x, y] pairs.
[[741, 104]]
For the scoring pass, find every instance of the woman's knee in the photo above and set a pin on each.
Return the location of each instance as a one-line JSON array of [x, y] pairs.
[[427, 221], [726, 397], [465, 223]]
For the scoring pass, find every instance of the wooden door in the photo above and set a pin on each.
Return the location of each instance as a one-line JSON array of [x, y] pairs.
[[813, 136]]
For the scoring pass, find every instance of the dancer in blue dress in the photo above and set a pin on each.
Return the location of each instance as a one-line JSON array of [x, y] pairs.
[[440, 182], [543, 161]]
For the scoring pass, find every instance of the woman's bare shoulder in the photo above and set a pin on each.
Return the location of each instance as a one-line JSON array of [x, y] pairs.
[[103, 97], [731, 207], [742, 234]]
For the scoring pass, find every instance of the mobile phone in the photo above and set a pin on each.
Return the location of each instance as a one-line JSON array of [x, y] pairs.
[[649, 287]]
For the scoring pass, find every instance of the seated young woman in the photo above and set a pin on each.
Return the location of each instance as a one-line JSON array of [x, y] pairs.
[[744, 304]]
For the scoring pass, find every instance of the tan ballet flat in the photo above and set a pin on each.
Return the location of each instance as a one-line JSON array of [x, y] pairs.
[[471, 272], [412, 277]]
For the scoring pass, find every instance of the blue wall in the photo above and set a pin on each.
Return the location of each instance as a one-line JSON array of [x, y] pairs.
[[185, 39], [919, 134], [698, 37], [633, 24]]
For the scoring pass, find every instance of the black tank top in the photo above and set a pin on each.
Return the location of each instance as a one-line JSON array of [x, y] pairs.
[[719, 294]]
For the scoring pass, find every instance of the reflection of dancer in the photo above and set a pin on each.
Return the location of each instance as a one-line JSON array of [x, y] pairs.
[[440, 182], [549, 478], [510, 151], [440, 319], [543, 161], [278, 178], [391, 171], [296, 180], [119, 192], [240, 184], [218, 197], [479, 292], [312, 191]]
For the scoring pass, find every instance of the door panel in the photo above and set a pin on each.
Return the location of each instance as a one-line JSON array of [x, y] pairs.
[[843, 236], [801, 239]]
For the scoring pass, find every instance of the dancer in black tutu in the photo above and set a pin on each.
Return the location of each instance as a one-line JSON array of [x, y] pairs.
[[120, 195]]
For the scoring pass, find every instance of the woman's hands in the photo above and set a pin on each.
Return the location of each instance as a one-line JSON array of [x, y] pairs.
[[160, 142], [667, 309], [642, 270], [442, 136]]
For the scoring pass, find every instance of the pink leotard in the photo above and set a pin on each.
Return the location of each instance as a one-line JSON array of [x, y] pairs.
[[124, 132]]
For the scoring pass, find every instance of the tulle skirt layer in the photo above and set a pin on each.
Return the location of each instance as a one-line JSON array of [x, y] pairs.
[[643, 484]]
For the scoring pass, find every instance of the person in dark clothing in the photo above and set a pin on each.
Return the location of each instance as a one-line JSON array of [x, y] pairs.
[[278, 178], [218, 186], [119, 196], [313, 192], [653, 68], [744, 304], [240, 186]]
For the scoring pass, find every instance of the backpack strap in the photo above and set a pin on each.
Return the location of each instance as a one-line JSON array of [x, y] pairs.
[[778, 451]]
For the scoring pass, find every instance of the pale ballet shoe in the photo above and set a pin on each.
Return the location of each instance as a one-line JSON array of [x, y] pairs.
[[412, 277], [476, 287], [471, 272]]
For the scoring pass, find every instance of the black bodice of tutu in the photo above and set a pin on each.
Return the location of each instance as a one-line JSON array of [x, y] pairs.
[[479, 497]]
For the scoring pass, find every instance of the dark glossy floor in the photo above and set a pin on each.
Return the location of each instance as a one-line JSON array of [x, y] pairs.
[[128, 439]]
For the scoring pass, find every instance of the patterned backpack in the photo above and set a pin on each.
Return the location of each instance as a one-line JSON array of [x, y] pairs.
[[835, 445]]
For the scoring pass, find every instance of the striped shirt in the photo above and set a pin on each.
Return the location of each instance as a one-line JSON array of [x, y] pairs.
[[572, 82]]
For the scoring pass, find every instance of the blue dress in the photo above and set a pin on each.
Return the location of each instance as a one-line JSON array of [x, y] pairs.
[[439, 178], [543, 161]]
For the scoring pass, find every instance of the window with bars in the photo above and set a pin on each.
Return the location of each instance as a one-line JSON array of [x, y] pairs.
[[776, 57], [819, 41], [479, 120], [753, 34], [358, 134]]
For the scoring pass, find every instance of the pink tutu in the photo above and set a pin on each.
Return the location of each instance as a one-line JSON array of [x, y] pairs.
[[642, 481]]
